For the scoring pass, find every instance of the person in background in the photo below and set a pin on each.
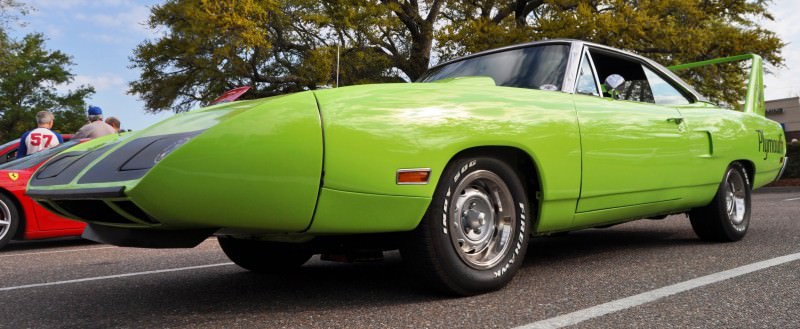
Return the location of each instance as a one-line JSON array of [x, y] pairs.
[[40, 138], [96, 127], [114, 123]]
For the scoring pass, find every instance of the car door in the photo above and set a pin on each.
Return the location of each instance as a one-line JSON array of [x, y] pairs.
[[633, 150]]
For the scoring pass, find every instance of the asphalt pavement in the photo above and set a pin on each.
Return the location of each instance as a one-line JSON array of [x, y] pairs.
[[643, 274]]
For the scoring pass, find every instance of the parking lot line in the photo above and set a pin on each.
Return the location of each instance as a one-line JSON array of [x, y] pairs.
[[792, 199], [125, 275], [654, 295]]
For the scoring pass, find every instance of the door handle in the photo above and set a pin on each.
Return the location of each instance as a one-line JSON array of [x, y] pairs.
[[676, 121]]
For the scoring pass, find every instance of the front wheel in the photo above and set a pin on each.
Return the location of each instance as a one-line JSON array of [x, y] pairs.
[[265, 256], [474, 235], [727, 217], [9, 220]]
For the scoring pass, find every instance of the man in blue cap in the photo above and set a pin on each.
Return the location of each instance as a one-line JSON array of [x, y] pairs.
[[96, 126]]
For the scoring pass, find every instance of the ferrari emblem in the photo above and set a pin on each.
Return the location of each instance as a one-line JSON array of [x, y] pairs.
[[14, 176]]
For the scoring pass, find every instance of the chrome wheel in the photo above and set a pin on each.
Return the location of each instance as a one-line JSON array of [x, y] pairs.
[[735, 203], [9, 220], [482, 225], [5, 220]]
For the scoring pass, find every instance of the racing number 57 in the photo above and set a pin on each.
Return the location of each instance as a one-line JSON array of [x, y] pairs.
[[36, 139]]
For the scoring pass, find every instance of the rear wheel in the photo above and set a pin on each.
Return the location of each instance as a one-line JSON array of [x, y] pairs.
[[265, 256], [9, 220], [474, 235], [727, 217]]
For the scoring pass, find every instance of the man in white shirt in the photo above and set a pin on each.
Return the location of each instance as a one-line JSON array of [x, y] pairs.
[[96, 126], [40, 138]]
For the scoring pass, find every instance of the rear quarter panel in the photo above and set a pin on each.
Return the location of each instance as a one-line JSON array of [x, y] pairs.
[[718, 137]]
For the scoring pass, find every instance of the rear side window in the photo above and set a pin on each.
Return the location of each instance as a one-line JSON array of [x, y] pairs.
[[663, 92], [537, 67]]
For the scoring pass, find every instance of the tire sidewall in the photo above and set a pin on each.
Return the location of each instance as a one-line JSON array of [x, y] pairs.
[[14, 221], [458, 274]]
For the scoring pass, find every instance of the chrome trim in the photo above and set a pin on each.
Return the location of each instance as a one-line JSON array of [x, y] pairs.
[[736, 199], [5, 220], [573, 65], [598, 84], [397, 176]]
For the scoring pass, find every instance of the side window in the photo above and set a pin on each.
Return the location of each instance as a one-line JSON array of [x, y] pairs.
[[586, 80], [637, 90], [641, 83], [636, 87], [663, 92]]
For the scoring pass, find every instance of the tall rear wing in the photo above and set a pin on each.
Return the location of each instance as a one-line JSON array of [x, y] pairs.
[[754, 100]]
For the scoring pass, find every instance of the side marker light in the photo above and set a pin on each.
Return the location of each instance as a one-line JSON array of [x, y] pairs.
[[419, 176]]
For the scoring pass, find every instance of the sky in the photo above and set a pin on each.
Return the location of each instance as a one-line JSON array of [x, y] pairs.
[[100, 35]]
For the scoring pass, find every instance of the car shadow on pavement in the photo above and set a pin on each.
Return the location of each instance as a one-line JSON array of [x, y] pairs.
[[647, 235], [44, 245], [229, 293]]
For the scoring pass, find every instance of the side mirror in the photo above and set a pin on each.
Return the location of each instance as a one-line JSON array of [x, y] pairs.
[[613, 83]]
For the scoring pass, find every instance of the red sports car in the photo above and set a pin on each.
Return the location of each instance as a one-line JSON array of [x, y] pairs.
[[20, 217]]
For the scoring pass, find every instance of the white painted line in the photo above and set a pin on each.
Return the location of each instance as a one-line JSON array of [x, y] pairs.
[[792, 199], [654, 295], [55, 283], [54, 252]]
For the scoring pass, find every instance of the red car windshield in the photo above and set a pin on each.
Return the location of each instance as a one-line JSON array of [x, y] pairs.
[[38, 157], [9, 143]]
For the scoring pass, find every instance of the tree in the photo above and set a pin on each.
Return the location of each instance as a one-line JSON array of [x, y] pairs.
[[275, 47], [29, 75], [668, 31], [281, 46], [9, 10]]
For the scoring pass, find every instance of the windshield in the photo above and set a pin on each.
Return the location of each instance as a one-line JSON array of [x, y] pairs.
[[38, 157], [536, 67]]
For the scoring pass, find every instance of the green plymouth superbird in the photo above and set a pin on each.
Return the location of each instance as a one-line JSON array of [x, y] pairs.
[[457, 171]]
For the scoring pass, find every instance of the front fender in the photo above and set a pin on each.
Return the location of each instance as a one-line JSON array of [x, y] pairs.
[[264, 164]]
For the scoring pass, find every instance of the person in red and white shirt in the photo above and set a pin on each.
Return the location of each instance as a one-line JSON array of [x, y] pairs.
[[40, 138]]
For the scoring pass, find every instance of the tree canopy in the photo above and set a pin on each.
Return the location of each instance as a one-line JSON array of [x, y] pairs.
[[280, 46], [9, 11], [29, 74], [29, 77]]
